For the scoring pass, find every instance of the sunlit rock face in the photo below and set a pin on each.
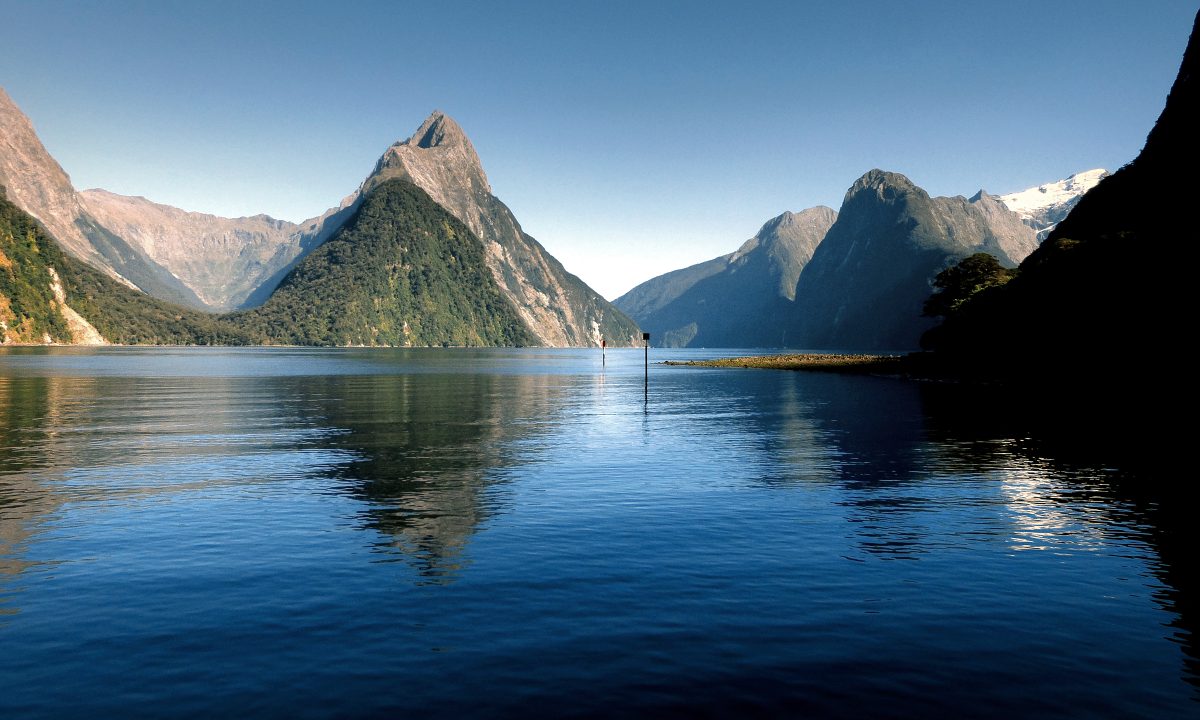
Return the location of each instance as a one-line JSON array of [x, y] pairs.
[[557, 306], [37, 184]]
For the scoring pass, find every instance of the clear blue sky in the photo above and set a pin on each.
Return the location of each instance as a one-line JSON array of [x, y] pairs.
[[631, 138]]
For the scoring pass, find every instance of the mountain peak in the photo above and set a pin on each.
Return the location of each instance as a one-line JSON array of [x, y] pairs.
[[438, 129], [877, 178], [885, 185], [441, 161]]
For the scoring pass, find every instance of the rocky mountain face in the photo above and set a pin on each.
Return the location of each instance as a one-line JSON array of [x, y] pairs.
[[867, 281], [39, 186], [734, 300], [557, 307], [1044, 206], [47, 296]]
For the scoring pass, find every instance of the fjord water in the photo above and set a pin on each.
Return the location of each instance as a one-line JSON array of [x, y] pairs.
[[314, 533]]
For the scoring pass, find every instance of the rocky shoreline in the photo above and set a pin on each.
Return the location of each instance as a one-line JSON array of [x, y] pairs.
[[859, 364]]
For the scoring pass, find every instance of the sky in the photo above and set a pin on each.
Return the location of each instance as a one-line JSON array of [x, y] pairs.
[[629, 138]]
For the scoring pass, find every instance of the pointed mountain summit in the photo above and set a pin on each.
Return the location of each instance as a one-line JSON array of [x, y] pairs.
[[216, 263], [734, 300], [867, 281], [559, 309], [438, 129], [440, 159]]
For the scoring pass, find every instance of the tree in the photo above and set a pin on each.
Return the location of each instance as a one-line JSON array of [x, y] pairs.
[[957, 283]]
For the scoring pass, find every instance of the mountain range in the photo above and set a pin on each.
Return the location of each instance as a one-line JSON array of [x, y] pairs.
[[855, 279], [221, 264]]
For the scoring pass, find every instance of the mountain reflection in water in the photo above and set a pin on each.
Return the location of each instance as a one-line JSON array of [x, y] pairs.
[[354, 529]]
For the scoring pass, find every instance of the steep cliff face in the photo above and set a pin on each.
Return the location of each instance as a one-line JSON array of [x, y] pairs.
[[735, 300], [868, 279], [38, 185], [33, 303], [558, 307]]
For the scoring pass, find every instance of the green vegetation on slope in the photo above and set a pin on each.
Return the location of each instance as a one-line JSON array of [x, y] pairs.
[[121, 314], [959, 283], [27, 314], [401, 271]]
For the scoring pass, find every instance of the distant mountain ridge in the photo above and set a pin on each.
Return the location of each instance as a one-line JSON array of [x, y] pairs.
[[47, 296], [735, 300], [222, 260], [855, 279]]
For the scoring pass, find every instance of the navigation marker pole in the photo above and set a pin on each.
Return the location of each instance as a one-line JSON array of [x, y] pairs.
[[603, 345], [646, 338]]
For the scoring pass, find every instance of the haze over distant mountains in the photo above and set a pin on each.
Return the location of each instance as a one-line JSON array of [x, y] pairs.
[[736, 300], [217, 263]]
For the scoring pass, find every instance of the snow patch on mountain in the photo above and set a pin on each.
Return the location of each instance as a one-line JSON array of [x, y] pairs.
[[1044, 206]]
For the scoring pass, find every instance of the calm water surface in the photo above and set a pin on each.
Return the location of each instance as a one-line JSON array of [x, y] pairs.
[[316, 533]]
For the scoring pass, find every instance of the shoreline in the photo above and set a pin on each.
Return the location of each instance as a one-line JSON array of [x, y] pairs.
[[843, 363]]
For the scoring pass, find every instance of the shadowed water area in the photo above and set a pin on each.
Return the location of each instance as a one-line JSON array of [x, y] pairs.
[[513, 533]]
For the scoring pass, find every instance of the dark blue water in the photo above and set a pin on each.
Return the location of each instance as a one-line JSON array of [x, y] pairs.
[[296, 533]]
